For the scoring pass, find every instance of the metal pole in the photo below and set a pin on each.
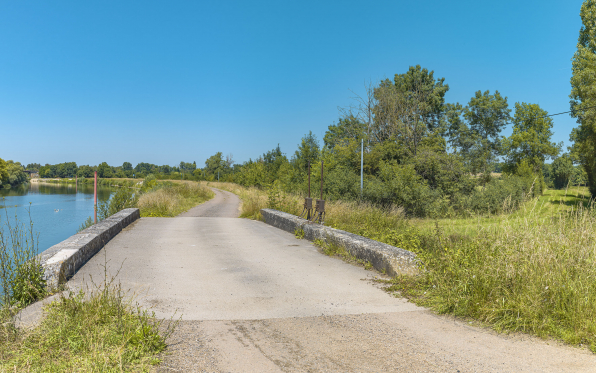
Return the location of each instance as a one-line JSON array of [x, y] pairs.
[[95, 196], [361, 167], [308, 179], [321, 179]]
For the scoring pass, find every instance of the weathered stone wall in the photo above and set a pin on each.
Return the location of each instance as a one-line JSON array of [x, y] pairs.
[[384, 258], [62, 260]]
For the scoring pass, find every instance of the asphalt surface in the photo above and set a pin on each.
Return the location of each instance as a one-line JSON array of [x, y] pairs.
[[253, 298]]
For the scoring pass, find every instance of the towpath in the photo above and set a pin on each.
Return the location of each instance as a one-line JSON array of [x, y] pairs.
[[253, 298]]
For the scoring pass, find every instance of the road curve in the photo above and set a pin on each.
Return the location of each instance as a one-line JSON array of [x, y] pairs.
[[223, 205], [253, 298]]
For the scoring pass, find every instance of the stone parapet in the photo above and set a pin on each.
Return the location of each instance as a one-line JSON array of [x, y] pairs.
[[62, 260], [384, 258]]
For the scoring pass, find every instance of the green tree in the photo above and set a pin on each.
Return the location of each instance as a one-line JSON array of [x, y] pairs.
[[583, 94], [308, 150], [33, 167], [84, 171], [215, 164], [3, 174], [16, 174], [126, 166], [562, 170], [474, 130], [104, 170], [409, 108], [530, 140], [347, 128]]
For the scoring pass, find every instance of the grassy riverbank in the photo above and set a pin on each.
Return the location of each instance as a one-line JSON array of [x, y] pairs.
[[96, 329], [529, 271], [124, 182]]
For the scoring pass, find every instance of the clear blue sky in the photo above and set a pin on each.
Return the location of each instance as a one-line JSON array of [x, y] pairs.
[[161, 82]]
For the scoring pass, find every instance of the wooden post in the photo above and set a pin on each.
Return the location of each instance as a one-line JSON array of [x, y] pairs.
[[321, 180], [95, 196]]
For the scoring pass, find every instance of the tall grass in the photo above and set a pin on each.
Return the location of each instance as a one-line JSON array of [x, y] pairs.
[[94, 330], [171, 199], [535, 275], [21, 274]]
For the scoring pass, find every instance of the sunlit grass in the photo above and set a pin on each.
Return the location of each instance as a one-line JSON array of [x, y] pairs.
[[98, 330], [552, 203], [172, 199]]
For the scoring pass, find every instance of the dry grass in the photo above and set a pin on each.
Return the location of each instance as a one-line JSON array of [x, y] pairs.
[[253, 199], [171, 199]]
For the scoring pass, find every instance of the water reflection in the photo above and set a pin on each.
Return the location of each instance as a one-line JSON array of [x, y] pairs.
[[57, 210]]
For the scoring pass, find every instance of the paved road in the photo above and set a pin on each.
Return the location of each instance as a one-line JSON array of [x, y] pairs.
[[253, 298]]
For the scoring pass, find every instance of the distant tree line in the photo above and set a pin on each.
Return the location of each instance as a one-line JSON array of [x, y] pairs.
[[104, 170]]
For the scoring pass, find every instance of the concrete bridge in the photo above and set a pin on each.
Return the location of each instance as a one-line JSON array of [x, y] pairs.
[[253, 298]]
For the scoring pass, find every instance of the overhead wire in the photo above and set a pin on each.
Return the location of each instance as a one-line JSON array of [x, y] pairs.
[[552, 115]]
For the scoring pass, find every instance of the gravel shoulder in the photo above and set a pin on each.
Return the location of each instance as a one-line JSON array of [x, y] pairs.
[[416, 341]]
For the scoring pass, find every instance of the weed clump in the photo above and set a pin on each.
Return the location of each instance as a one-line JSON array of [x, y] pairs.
[[21, 273], [87, 331]]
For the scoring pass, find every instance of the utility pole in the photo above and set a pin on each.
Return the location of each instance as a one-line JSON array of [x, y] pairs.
[[361, 167]]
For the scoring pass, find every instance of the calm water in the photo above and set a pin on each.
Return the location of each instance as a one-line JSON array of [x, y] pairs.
[[57, 211]]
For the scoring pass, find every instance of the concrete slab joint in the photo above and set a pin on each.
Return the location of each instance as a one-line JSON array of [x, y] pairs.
[[62, 260], [384, 258]]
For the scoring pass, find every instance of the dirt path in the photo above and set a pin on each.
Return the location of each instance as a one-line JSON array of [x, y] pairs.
[[223, 205], [253, 298]]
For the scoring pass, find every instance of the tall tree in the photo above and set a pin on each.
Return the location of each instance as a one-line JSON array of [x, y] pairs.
[[104, 170], [308, 150], [474, 130], [16, 175], [126, 166], [530, 140], [410, 108], [215, 164], [3, 173], [583, 94], [347, 128], [562, 170]]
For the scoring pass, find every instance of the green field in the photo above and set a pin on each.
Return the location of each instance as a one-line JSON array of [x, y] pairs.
[[551, 204]]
